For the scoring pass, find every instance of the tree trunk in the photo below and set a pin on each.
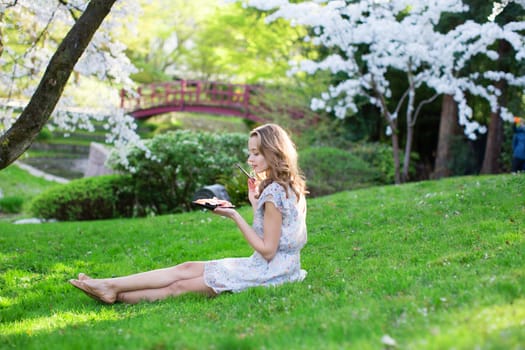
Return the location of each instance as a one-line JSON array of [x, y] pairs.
[[491, 160], [395, 151], [409, 127], [408, 150], [493, 147], [35, 115], [448, 128]]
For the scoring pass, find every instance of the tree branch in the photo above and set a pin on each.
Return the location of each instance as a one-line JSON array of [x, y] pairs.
[[70, 9], [421, 104], [14, 3], [21, 135], [401, 101]]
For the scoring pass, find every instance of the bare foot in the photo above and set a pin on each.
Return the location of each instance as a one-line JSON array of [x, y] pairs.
[[83, 277], [97, 293]]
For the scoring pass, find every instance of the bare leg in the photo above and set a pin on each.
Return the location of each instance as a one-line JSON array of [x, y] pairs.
[[177, 288], [106, 290]]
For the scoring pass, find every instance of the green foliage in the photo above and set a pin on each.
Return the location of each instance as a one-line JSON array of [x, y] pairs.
[[192, 121], [237, 187], [379, 157], [465, 160], [11, 205], [166, 128], [329, 170], [181, 163], [434, 265], [238, 43], [44, 135], [145, 128], [212, 41], [330, 131], [92, 198], [289, 105], [506, 148], [364, 164]]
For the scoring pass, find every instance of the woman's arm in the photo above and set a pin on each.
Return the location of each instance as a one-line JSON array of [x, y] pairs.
[[266, 246]]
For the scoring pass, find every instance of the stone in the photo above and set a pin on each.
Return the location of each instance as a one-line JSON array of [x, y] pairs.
[[96, 164]]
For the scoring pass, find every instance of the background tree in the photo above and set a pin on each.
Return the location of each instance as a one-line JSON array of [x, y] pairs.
[[30, 32], [449, 129], [224, 42], [167, 35], [511, 12], [490, 160], [238, 45], [210, 40], [377, 40]]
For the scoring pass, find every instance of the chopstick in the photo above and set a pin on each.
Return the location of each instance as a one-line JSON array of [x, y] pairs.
[[244, 171]]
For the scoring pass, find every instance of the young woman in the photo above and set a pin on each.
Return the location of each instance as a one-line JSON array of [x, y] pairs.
[[278, 233]]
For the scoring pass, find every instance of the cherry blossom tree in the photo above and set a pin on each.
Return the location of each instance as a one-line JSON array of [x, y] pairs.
[[502, 13], [371, 39], [37, 61]]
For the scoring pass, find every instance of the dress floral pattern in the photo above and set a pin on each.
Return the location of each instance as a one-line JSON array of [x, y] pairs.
[[237, 274]]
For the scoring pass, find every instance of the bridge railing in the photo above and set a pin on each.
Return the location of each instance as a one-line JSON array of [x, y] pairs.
[[181, 94]]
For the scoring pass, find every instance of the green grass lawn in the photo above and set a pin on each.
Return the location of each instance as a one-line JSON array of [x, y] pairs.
[[433, 265], [17, 184]]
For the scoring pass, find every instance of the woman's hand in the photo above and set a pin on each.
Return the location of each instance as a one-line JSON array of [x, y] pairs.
[[252, 192], [226, 212]]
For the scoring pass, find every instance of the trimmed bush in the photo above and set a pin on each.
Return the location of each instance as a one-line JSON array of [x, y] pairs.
[[92, 198], [183, 161], [329, 170]]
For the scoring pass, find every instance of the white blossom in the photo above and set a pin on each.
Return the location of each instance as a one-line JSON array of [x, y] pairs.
[[400, 35], [498, 7], [103, 59], [370, 39]]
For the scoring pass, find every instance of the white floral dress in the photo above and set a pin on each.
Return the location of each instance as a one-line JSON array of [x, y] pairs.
[[237, 274]]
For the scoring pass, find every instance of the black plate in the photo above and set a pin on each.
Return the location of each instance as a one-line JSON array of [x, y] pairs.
[[209, 206]]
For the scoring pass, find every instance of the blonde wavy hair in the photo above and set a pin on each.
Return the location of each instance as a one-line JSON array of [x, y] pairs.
[[274, 143]]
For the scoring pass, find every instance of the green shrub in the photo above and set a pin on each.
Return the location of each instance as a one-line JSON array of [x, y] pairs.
[[465, 161], [183, 161], [379, 156], [329, 170], [237, 188], [91, 198], [11, 204]]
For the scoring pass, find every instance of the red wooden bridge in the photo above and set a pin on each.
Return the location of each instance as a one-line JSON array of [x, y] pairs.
[[191, 96]]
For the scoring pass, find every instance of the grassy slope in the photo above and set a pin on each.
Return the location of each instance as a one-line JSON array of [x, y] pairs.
[[435, 265], [15, 182]]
